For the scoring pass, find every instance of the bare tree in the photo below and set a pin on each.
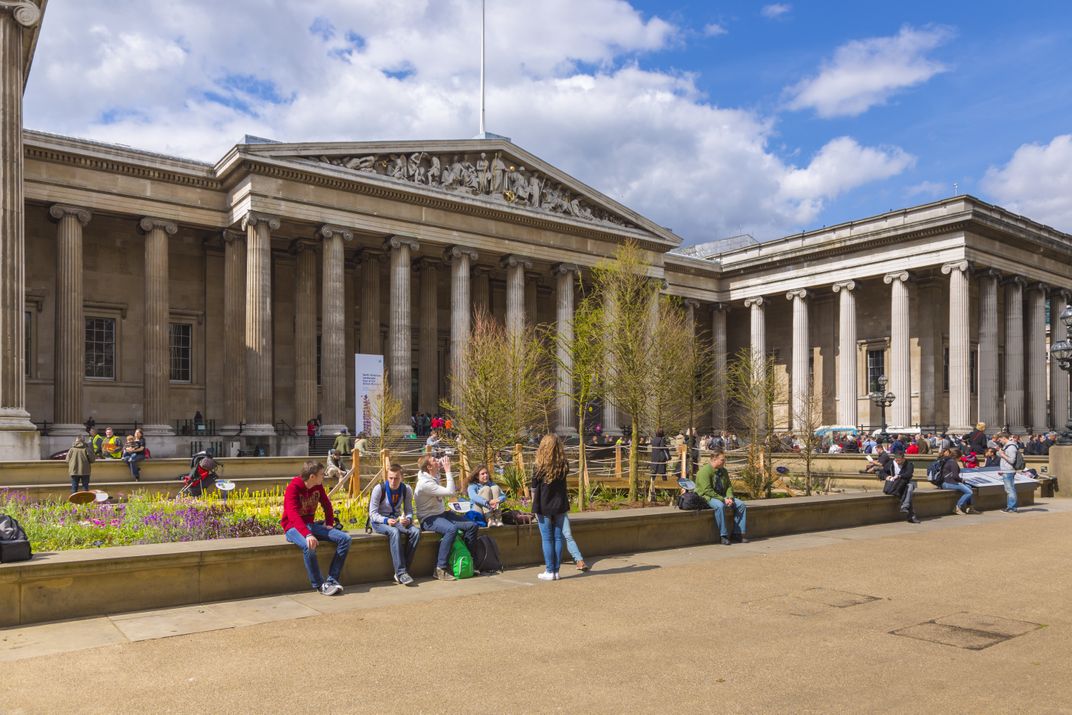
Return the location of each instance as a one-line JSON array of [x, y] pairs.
[[753, 387], [506, 390], [385, 410], [626, 293], [806, 420]]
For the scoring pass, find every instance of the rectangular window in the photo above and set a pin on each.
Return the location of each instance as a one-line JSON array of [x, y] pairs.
[[28, 356], [100, 348], [180, 339], [945, 369], [876, 368]]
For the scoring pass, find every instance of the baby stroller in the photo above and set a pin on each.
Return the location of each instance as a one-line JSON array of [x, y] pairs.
[[203, 471]]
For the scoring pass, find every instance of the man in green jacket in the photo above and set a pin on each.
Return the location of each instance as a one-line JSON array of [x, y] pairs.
[[713, 484], [342, 443]]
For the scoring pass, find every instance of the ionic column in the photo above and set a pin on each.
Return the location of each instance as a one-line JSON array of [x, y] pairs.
[[959, 347], [428, 345], [305, 387], [481, 289], [847, 410], [900, 364], [333, 328], [719, 348], [1036, 357], [565, 275], [400, 326], [259, 383], [531, 289], [371, 341], [1014, 355], [460, 259], [515, 292], [989, 409], [234, 328], [690, 316], [1058, 377], [18, 436], [800, 375], [157, 381], [70, 348], [757, 329]]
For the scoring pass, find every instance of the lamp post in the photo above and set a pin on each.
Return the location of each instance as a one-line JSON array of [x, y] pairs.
[[882, 399], [1061, 351]]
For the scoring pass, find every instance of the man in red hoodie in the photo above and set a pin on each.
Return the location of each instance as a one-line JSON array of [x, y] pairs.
[[304, 493]]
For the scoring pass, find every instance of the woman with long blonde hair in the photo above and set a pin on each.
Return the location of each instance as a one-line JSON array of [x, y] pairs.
[[550, 501]]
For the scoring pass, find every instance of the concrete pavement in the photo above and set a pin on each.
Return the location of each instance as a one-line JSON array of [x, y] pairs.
[[958, 613]]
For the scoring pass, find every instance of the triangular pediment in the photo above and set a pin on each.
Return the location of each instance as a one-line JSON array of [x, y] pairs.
[[485, 170]]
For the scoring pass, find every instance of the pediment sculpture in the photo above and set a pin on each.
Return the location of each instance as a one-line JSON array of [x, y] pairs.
[[477, 174]]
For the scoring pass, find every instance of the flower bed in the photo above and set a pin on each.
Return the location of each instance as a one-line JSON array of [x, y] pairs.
[[143, 518]]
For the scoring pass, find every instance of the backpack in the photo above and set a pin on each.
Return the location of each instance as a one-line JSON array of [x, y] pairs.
[[691, 501], [461, 561], [934, 472], [516, 518], [486, 555], [14, 546], [1018, 462]]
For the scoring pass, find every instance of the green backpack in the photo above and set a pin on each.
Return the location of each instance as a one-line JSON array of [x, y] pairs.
[[461, 561]]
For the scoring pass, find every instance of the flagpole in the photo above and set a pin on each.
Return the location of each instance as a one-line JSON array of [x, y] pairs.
[[482, 28]]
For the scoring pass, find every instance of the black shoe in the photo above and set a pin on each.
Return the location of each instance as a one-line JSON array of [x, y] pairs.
[[725, 541], [742, 539], [912, 519]]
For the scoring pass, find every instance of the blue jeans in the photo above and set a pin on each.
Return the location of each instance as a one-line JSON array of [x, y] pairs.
[[1009, 480], [571, 545], [76, 480], [551, 536], [448, 524], [394, 536], [132, 460], [964, 489], [739, 519], [342, 546]]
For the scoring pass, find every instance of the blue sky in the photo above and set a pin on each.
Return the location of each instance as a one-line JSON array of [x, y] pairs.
[[712, 118]]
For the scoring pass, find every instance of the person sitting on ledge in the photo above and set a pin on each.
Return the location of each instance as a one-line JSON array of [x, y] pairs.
[[428, 497], [112, 447], [897, 476], [880, 458], [713, 484], [304, 493], [952, 480], [486, 495], [335, 468], [391, 514]]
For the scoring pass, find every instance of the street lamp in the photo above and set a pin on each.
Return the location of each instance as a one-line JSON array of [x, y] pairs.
[[1061, 351], [882, 399]]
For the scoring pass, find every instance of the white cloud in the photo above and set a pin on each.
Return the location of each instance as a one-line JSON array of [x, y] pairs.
[[865, 73], [573, 93], [1036, 182], [929, 189], [775, 10], [714, 29]]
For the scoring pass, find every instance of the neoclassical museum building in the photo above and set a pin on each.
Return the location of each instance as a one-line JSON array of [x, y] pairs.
[[142, 288]]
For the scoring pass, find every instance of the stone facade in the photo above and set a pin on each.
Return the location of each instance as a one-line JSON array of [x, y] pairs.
[[280, 261]]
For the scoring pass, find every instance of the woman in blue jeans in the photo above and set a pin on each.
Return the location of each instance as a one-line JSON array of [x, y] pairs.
[[951, 479], [550, 501]]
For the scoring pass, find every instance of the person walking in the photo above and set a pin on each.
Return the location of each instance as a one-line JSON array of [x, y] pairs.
[[550, 501], [80, 459]]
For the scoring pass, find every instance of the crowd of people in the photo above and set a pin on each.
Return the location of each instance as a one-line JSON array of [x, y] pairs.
[[424, 424], [401, 513]]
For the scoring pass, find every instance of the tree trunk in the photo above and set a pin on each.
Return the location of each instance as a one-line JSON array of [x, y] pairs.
[[633, 472], [582, 492]]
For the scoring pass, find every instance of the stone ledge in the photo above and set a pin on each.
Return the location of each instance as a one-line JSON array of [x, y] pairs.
[[73, 584]]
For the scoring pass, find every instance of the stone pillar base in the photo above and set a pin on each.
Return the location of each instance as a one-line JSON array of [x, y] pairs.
[[67, 430], [252, 430], [158, 430], [20, 445], [1061, 469]]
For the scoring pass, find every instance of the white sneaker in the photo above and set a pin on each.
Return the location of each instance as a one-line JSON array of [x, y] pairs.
[[556, 575], [330, 589], [546, 576]]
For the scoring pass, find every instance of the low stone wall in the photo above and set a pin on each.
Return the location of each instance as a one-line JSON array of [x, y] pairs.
[[75, 584]]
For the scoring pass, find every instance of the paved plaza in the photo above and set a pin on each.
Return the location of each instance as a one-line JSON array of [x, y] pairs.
[[957, 614]]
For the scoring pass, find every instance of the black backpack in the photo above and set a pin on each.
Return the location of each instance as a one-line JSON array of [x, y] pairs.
[[934, 472], [14, 546], [691, 501], [486, 555], [1018, 462]]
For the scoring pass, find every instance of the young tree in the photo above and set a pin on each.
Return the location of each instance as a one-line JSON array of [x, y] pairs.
[[752, 385], [806, 420], [506, 390], [626, 293], [385, 411], [582, 356]]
